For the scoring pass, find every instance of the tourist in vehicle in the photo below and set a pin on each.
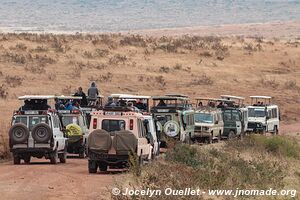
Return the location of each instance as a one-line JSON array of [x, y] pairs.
[[27, 105], [69, 105], [80, 93], [110, 102], [140, 105], [93, 92], [221, 105], [161, 103], [200, 104]]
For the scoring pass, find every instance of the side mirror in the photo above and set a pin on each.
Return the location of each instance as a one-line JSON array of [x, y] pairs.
[[267, 117], [216, 122]]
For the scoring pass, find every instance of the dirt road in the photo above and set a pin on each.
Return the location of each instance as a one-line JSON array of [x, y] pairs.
[[40, 180]]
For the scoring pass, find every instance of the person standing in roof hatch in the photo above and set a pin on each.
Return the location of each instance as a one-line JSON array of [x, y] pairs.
[[93, 91], [80, 93]]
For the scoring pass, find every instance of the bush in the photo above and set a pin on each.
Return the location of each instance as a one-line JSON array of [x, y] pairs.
[[276, 145], [183, 153], [13, 81]]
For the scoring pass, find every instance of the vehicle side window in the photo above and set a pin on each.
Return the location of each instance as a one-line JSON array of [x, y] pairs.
[[227, 115], [274, 113], [55, 122]]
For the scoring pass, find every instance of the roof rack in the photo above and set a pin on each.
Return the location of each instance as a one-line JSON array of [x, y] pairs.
[[169, 98], [67, 97], [260, 97], [129, 96], [176, 95], [29, 97], [116, 108]]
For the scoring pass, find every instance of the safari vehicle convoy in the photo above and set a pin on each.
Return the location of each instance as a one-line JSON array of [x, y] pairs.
[[36, 131], [263, 115], [175, 117], [74, 121], [209, 123], [115, 133]]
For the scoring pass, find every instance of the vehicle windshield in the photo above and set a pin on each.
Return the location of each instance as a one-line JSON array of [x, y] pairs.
[[66, 120], [253, 112], [33, 120], [203, 117], [231, 115]]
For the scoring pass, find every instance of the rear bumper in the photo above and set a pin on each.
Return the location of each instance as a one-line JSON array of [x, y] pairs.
[[43, 150], [201, 134], [109, 159]]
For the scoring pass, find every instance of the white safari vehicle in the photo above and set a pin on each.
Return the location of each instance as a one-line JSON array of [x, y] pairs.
[[36, 131], [141, 104], [115, 134], [209, 123], [263, 116]]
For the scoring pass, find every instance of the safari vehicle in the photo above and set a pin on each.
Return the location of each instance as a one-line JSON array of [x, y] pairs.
[[36, 132], [115, 133], [74, 121], [263, 115], [175, 117], [209, 123], [93, 104], [239, 103], [140, 104]]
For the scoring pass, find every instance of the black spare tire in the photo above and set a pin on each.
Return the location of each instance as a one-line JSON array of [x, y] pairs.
[[99, 140], [125, 142], [18, 133], [41, 133]]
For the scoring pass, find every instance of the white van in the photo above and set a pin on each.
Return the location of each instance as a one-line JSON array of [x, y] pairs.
[[263, 116]]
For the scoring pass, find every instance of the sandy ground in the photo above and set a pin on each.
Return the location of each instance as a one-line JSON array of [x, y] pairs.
[[268, 30], [41, 180]]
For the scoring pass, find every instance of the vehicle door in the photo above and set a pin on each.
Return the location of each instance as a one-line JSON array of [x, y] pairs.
[[143, 145], [57, 132], [236, 117]]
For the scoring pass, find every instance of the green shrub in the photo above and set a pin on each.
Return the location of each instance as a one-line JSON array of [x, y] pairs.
[[183, 153]]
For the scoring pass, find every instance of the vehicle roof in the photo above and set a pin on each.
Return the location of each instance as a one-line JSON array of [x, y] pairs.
[[208, 110], [232, 97], [67, 97], [169, 98], [176, 95], [25, 97], [260, 97], [207, 98], [123, 114], [129, 96]]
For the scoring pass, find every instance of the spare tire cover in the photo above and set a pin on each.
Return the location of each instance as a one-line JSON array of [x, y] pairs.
[[18, 133], [171, 128], [125, 142], [99, 140], [41, 133], [73, 130]]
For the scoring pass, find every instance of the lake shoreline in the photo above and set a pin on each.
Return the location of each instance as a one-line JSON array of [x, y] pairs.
[[280, 29]]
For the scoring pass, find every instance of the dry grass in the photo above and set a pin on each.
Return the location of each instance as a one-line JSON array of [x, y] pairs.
[[249, 164]]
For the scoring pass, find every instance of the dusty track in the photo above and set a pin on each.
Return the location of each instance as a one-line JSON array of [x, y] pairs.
[[41, 180]]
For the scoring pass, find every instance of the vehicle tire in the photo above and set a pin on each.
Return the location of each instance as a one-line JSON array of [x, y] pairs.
[[188, 139], [41, 133], [276, 132], [27, 159], [63, 157], [92, 167], [54, 157], [103, 167], [81, 152], [219, 138], [18, 133], [17, 159], [231, 135]]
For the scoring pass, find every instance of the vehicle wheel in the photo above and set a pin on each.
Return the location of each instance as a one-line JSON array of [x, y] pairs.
[[54, 157], [17, 160], [92, 167], [276, 132], [41, 133], [188, 139], [18, 133], [63, 157], [141, 161], [27, 159], [103, 167], [219, 138], [231, 135], [81, 153], [209, 140]]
